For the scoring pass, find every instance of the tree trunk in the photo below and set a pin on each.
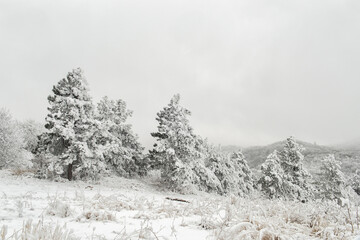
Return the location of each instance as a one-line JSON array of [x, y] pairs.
[[69, 172]]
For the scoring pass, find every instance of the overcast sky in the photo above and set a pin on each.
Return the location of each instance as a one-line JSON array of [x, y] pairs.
[[251, 72]]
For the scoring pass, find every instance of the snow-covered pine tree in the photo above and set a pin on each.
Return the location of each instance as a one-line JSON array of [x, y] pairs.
[[243, 174], [71, 128], [206, 180], [179, 153], [175, 146], [223, 169], [272, 178], [332, 179], [119, 145], [295, 184]]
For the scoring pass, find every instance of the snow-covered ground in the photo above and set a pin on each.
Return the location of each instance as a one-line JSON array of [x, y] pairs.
[[119, 208]]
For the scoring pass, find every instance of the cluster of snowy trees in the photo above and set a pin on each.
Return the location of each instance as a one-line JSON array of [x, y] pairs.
[[283, 176], [83, 140], [187, 162]]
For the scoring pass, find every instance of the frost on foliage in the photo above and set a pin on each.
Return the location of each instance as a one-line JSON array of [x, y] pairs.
[[332, 179], [354, 182], [233, 173], [220, 165], [283, 174], [30, 130], [242, 172], [272, 178], [178, 152], [71, 128], [39, 231], [119, 146], [206, 180], [296, 185], [12, 152]]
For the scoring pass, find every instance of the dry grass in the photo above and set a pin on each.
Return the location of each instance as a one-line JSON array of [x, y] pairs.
[[38, 231]]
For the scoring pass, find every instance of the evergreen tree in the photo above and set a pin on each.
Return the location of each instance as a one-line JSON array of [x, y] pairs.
[[175, 146], [179, 153], [295, 182], [119, 145], [243, 174], [220, 165], [71, 128], [332, 179], [272, 178]]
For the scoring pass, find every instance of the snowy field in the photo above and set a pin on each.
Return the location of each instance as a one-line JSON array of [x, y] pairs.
[[119, 208]]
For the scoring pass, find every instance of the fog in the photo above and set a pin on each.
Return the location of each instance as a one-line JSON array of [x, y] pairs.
[[251, 72]]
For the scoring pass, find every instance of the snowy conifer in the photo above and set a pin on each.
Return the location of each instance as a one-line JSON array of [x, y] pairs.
[[119, 145], [175, 146], [295, 184], [332, 179], [71, 128], [243, 174], [221, 166], [179, 153], [233, 173], [272, 178]]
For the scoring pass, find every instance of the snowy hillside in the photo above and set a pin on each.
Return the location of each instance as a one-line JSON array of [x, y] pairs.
[[119, 208], [313, 153]]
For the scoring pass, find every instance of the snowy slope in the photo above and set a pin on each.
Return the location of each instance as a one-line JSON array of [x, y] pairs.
[[119, 208]]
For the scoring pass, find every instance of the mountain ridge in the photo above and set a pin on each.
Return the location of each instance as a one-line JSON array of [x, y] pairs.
[[313, 154]]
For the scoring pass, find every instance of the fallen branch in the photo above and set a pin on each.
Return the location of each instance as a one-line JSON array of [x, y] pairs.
[[177, 199]]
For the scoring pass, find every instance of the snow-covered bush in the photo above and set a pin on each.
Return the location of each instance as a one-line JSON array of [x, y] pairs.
[[57, 207], [12, 152], [39, 231]]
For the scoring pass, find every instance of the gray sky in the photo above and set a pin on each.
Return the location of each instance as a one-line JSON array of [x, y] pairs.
[[251, 72]]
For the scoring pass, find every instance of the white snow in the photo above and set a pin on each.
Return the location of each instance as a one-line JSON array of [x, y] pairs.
[[119, 208]]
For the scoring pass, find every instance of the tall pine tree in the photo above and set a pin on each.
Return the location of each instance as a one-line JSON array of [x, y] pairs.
[[332, 179], [71, 128], [295, 184], [179, 153]]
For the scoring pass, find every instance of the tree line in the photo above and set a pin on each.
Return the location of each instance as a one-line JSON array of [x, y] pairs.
[[83, 140]]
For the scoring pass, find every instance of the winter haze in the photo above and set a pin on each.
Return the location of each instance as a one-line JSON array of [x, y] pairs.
[[251, 72]]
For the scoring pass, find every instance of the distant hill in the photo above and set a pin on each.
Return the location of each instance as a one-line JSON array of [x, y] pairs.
[[313, 154]]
